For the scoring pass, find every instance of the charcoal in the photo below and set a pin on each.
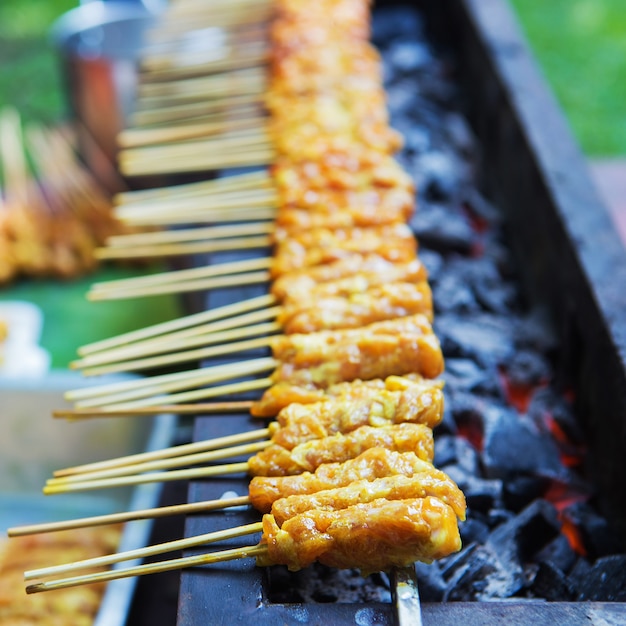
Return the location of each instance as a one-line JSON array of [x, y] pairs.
[[606, 580], [459, 133], [552, 584], [533, 331], [597, 535], [433, 262], [496, 517], [392, 22], [558, 552], [441, 176], [480, 207], [495, 299], [527, 368], [546, 403], [520, 491], [514, 445], [408, 56], [465, 375], [527, 532], [430, 582], [452, 295], [481, 574], [480, 494], [451, 450], [579, 574], [443, 230], [473, 530], [483, 338]]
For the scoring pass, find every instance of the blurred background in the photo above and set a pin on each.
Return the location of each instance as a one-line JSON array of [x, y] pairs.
[[580, 45]]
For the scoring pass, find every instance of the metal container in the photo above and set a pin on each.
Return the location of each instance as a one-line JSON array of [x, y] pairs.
[[98, 43]]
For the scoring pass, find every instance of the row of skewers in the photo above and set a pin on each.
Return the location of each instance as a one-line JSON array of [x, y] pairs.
[[344, 474], [52, 220]]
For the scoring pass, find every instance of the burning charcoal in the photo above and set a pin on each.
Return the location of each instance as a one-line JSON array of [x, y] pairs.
[[473, 530], [459, 133], [433, 261], [527, 368], [467, 411], [552, 584], [597, 535], [443, 230], [549, 406], [392, 22], [559, 552], [520, 491], [606, 580], [480, 494], [495, 299], [466, 375], [480, 207], [451, 450], [430, 582], [527, 532], [409, 56], [514, 445], [452, 295], [440, 176], [483, 338], [480, 574]]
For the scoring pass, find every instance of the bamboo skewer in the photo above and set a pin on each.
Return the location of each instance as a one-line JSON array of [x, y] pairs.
[[193, 337], [140, 553], [181, 323], [253, 180], [137, 137], [165, 453], [189, 234], [212, 408], [156, 383], [214, 216], [236, 280], [209, 271], [197, 163], [129, 516], [158, 464], [154, 568], [188, 396], [187, 355], [152, 477]]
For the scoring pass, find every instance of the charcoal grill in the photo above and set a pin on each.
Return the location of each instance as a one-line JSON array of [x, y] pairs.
[[571, 261]]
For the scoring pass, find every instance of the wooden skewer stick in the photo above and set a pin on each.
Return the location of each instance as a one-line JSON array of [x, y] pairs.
[[204, 206], [236, 280], [211, 408], [129, 516], [181, 323], [189, 460], [220, 269], [190, 338], [237, 104], [189, 234], [140, 553], [136, 137], [247, 214], [150, 568], [166, 453], [171, 358], [199, 163], [156, 383], [253, 180], [152, 477], [197, 394]]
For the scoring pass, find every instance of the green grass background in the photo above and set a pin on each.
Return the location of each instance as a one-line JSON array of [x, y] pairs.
[[580, 44]]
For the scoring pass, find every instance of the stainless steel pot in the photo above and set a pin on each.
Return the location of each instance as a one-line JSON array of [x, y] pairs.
[[98, 43]]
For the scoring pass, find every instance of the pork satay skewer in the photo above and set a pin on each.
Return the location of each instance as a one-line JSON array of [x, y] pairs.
[[264, 492], [428, 528], [418, 403], [277, 460], [300, 315], [397, 487], [407, 342]]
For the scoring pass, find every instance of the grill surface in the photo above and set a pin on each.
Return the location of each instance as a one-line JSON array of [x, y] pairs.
[[571, 261]]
